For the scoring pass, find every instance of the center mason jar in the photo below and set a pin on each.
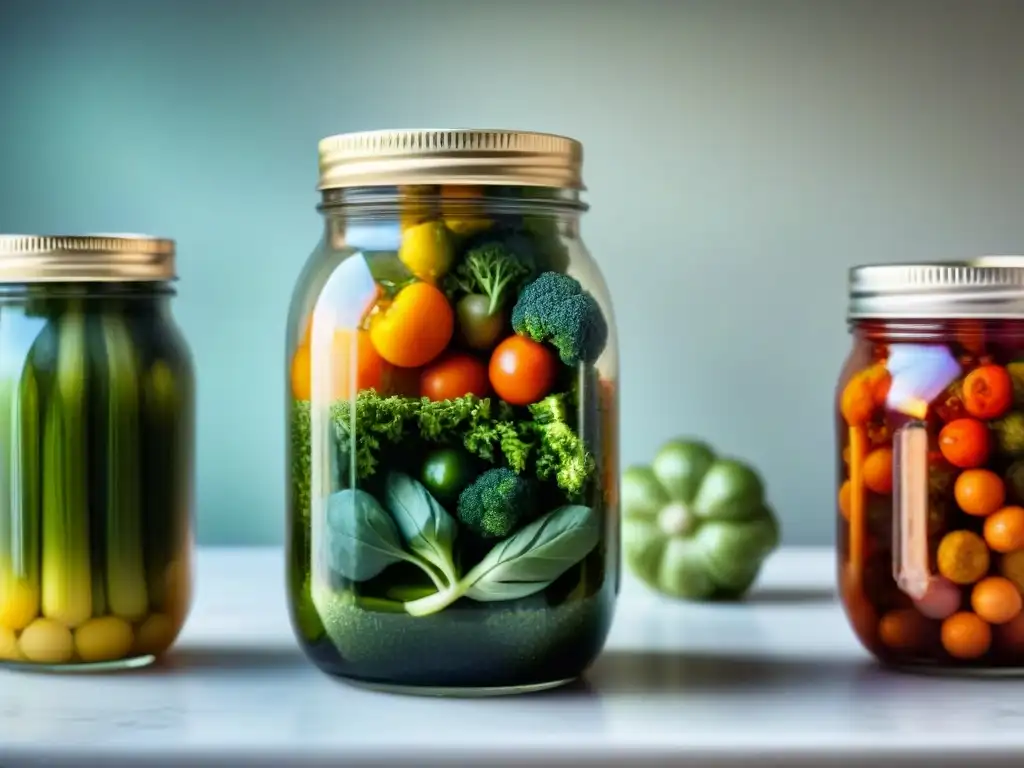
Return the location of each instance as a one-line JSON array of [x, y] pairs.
[[453, 412], [930, 439]]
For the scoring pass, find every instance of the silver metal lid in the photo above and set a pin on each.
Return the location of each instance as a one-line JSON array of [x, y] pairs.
[[988, 287]]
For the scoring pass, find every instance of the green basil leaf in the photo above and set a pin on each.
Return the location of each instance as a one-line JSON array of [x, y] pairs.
[[528, 561], [361, 537], [423, 523]]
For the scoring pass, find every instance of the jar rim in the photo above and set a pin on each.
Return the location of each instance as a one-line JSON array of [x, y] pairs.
[[450, 156], [985, 287], [86, 258]]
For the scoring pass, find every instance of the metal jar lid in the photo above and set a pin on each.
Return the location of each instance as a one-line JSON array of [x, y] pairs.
[[988, 287], [450, 156], [86, 259]]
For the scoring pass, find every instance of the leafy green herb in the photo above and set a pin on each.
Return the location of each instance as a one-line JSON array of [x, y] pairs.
[[364, 539], [525, 563], [486, 428], [542, 551], [428, 530]]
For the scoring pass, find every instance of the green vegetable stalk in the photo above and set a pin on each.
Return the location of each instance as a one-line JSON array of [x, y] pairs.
[[523, 564], [66, 574], [19, 514], [125, 575], [19, 466], [25, 440], [167, 417]]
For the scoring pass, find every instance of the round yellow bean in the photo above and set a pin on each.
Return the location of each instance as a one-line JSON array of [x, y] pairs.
[[20, 605], [106, 638], [46, 641]]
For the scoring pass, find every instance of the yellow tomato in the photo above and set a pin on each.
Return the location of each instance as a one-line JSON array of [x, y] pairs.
[[426, 250]]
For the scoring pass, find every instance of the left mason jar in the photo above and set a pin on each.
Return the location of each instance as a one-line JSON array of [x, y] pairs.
[[96, 452]]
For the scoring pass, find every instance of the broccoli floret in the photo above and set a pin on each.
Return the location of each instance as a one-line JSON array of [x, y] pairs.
[[497, 503], [490, 269], [556, 309]]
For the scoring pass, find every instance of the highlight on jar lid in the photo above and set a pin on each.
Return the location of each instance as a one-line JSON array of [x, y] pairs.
[[940, 290], [450, 156], [1006, 260], [86, 258]]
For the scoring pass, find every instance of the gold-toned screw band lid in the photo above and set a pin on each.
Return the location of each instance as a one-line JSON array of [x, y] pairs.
[[451, 156], [987, 287], [86, 259]]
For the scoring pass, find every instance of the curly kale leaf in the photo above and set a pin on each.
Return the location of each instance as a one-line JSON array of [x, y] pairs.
[[561, 453], [377, 421]]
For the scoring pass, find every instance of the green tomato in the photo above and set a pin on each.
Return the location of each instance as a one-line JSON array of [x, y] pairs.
[[446, 472], [696, 526], [1008, 434], [478, 328]]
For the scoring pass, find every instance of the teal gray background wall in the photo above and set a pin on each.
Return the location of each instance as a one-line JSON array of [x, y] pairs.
[[740, 157]]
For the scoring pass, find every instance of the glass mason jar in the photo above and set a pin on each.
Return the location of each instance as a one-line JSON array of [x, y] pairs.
[[96, 454], [453, 414], [930, 439]]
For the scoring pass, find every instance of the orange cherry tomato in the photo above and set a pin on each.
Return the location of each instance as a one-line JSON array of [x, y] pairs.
[[864, 394], [966, 635], [522, 371], [878, 471], [454, 375], [415, 327], [1004, 529], [996, 600], [341, 380], [988, 392], [964, 443], [979, 492]]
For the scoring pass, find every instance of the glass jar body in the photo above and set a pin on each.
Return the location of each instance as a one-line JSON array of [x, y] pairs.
[[96, 432], [930, 437], [453, 505]]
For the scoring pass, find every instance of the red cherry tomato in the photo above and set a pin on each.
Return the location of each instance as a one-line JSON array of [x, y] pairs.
[[454, 375], [965, 443], [522, 371]]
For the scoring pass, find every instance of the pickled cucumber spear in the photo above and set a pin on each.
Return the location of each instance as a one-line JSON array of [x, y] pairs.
[[125, 573], [167, 475], [66, 573], [19, 471]]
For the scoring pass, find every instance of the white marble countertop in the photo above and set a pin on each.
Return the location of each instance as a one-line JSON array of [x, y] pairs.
[[779, 681]]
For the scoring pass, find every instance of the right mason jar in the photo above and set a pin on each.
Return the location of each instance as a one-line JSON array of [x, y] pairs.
[[451, 375], [930, 457]]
